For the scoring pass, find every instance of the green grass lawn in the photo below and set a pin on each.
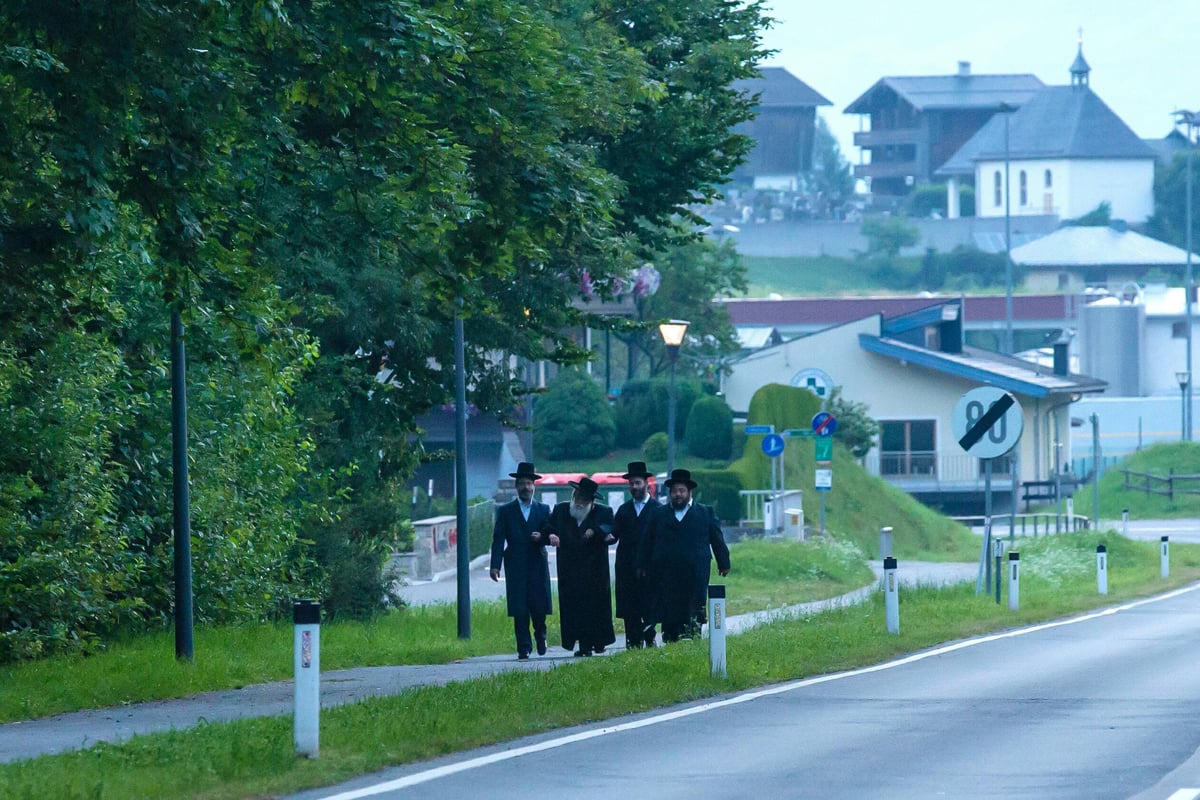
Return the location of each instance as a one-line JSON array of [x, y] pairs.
[[1157, 459], [254, 758], [815, 277]]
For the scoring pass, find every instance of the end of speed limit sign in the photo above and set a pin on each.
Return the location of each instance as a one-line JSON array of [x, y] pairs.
[[987, 422]]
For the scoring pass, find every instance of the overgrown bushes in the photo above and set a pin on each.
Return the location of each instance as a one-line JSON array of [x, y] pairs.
[[574, 419], [642, 408]]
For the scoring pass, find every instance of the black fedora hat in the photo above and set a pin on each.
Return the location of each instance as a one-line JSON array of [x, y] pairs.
[[585, 486], [681, 476], [525, 470], [636, 469]]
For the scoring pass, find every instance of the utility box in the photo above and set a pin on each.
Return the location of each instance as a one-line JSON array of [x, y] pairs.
[[793, 527], [777, 509]]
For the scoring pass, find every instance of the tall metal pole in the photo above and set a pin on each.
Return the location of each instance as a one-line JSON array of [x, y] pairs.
[[1187, 281], [182, 510], [1008, 265], [460, 477], [674, 354]]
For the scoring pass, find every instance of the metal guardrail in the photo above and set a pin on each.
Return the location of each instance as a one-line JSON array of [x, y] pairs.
[[1035, 524]]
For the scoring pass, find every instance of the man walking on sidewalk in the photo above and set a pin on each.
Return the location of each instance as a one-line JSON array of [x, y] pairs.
[[629, 525], [581, 528], [677, 554], [517, 541]]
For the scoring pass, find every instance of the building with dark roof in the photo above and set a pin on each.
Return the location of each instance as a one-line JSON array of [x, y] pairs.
[[918, 122], [1064, 151], [782, 130]]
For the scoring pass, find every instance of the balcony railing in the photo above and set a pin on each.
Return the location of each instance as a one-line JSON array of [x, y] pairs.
[[885, 169], [931, 468], [886, 136]]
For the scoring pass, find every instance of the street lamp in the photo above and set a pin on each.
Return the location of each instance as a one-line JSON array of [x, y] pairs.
[[1190, 120], [672, 332], [1185, 379]]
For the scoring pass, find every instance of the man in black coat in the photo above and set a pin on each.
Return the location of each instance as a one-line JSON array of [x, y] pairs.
[[518, 543], [676, 553], [580, 529], [629, 524]]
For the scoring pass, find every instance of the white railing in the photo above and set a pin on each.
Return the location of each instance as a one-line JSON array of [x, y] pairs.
[[935, 467]]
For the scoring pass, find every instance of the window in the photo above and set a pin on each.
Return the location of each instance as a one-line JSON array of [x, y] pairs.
[[997, 200], [1049, 179], [1178, 330], [1024, 188], [906, 448]]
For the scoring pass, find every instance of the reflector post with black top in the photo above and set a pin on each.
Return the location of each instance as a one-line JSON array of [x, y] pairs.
[[891, 595], [716, 630], [1101, 569], [1014, 580], [1165, 560], [306, 617]]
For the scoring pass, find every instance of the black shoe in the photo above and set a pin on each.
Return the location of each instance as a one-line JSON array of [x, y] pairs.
[[648, 642], [598, 650], [522, 656], [582, 653], [541, 645]]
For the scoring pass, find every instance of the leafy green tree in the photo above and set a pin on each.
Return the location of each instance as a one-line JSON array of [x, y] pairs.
[[887, 235], [710, 428], [856, 428], [832, 177], [1169, 222], [574, 419], [1098, 217]]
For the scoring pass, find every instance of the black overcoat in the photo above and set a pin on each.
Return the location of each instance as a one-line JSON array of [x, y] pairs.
[[526, 571], [678, 555], [584, 587], [629, 527]]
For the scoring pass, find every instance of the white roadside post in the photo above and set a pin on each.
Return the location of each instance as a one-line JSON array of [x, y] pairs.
[[1101, 569], [306, 615], [1070, 513], [891, 594], [1125, 522], [1165, 560], [885, 542], [716, 631], [1014, 580]]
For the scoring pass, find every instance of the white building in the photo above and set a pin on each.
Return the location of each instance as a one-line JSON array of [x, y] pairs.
[[1063, 153]]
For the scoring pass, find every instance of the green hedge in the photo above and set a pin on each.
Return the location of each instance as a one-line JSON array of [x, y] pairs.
[[719, 488]]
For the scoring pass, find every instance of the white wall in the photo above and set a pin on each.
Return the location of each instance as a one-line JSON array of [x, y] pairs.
[[1077, 187]]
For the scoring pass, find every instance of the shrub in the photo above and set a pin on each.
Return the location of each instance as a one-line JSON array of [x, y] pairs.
[[710, 429], [642, 408], [655, 447], [574, 419], [719, 488]]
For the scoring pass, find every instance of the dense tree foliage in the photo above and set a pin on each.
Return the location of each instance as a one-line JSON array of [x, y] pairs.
[[574, 419], [318, 188]]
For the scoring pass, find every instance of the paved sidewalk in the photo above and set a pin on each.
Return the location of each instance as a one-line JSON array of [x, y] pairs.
[[79, 730]]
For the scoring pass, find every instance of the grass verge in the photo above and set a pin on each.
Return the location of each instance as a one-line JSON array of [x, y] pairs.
[[254, 758]]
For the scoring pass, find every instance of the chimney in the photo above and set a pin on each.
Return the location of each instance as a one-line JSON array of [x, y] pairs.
[[964, 69]]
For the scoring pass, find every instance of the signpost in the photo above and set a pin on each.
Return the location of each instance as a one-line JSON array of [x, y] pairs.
[[772, 447], [824, 425], [987, 422]]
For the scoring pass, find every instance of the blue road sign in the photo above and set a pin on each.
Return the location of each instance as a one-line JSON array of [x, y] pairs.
[[824, 423], [760, 429], [772, 444]]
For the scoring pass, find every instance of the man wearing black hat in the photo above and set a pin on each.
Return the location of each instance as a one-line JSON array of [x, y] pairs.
[[518, 543], [580, 529], [629, 525], [676, 553]]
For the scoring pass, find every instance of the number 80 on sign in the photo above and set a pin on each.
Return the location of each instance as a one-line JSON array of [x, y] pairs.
[[988, 422]]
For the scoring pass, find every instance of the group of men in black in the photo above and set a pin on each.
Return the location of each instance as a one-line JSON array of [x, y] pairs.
[[664, 555]]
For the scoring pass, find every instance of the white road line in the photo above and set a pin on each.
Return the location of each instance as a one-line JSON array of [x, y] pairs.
[[551, 744], [1185, 794]]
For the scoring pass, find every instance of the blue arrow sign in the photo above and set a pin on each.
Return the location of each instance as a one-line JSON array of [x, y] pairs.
[[772, 444]]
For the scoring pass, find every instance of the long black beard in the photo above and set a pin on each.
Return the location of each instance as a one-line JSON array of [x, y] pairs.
[[679, 505]]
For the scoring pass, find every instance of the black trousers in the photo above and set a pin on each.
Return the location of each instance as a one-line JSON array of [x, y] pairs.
[[521, 629]]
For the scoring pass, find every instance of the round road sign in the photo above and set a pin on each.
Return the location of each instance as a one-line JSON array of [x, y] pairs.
[[772, 444], [987, 422]]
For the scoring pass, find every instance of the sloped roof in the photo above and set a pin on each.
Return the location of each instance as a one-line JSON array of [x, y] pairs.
[[778, 88], [986, 367], [1057, 122], [937, 92], [1077, 246]]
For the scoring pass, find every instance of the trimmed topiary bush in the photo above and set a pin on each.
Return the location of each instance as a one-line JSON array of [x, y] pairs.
[[655, 447], [642, 407], [710, 429], [573, 419]]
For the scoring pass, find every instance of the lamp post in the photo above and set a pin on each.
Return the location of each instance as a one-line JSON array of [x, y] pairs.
[[1185, 380], [672, 332], [1190, 120], [1007, 110]]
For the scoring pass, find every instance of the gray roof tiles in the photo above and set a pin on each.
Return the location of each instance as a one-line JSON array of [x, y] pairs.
[[779, 88], [932, 92]]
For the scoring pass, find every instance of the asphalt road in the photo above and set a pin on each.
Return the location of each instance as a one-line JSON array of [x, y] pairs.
[[1099, 707]]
